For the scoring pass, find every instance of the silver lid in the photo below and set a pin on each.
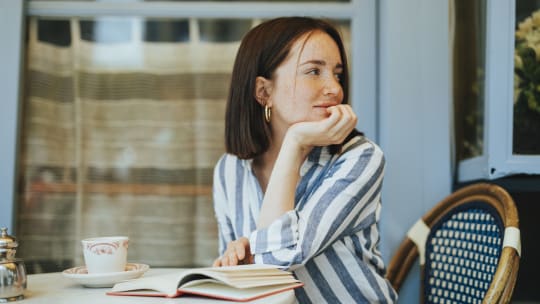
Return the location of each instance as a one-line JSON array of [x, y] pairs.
[[8, 245]]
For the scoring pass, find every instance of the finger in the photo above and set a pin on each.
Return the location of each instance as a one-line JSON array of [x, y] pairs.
[[248, 259], [233, 259], [224, 260], [348, 118], [217, 262], [240, 251], [335, 113], [352, 114], [347, 110], [339, 132], [332, 119], [340, 117]]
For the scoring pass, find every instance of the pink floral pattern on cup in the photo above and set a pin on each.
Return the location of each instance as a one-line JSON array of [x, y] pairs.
[[105, 254], [103, 248]]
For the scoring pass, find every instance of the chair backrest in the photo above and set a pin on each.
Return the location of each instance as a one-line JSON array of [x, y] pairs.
[[468, 246]]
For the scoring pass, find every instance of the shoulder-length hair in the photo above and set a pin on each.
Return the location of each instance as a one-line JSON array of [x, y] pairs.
[[261, 51]]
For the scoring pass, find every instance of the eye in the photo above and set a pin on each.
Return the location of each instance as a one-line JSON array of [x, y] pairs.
[[338, 73], [314, 72]]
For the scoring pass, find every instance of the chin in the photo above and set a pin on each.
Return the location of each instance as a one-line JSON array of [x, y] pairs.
[[320, 113], [318, 117]]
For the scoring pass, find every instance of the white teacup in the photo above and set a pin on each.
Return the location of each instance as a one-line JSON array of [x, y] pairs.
[[105, 254]]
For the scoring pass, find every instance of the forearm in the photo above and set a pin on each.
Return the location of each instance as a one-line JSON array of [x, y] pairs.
[[299, 140], [343, 202], [279, 196]]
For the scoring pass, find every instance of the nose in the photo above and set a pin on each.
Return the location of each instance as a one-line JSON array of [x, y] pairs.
[[332, 87]]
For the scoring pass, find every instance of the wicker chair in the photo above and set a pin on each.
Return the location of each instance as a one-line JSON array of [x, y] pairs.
[[468, 246]]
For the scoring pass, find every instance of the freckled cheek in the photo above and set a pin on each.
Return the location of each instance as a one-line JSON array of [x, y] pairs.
[[285, 92], [340, 96], [306, 92]]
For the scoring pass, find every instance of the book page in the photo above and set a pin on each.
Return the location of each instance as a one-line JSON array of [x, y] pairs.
[[241, 276], [165, 285], [245, 282], [220, 291], [237, 277]]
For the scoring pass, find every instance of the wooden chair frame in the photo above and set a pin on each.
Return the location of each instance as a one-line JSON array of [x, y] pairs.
[[502, 285]]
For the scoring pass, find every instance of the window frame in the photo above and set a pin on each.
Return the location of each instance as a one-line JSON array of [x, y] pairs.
[[363, 59], [11, 57], [361, 13]]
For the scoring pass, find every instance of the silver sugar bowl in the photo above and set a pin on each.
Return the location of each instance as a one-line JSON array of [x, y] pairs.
[[12, 270]]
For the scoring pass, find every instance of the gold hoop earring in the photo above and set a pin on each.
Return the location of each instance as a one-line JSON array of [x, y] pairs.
[[267, 113]]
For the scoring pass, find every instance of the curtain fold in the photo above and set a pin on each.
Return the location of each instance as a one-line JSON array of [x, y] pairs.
[[121, 139]]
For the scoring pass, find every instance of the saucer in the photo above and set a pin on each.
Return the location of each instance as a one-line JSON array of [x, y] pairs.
[[107, 279]]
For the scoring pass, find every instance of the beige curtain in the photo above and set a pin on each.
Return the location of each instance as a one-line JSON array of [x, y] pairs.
[[121, 139]]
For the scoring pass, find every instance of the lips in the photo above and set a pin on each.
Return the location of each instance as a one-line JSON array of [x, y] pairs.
[[326, 105]]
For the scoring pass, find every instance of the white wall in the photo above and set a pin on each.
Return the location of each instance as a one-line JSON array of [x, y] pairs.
[[414, 125], [11, 12]]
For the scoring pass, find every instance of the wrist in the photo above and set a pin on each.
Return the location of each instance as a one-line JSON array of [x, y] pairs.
[[293, 143]]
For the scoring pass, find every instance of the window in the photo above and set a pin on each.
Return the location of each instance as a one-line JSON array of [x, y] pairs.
[[497, 114], [122, 121], [526, 119]]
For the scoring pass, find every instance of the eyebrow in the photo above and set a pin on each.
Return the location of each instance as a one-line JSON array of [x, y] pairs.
[[320, 62]]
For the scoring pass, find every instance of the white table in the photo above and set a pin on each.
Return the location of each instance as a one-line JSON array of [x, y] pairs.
[[57, 289]]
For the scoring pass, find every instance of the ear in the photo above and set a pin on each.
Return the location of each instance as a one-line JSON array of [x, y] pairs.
[[263, 88]]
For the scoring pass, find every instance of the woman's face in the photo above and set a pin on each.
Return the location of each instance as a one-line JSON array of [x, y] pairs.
[[307, 82]]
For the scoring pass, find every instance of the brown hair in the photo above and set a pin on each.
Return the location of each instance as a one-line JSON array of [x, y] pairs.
[[261, 51]]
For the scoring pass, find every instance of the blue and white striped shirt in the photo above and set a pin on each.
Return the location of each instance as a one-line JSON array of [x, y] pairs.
[[330, 240]]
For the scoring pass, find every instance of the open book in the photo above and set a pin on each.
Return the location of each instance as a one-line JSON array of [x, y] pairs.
[[234, 283]]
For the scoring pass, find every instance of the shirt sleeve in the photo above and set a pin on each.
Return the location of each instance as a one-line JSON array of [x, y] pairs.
[[340, 204], [225, 229]]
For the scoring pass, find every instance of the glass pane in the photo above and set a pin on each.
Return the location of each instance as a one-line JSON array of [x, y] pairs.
[[223, 30], [255, 0], [122, 125], [468, 77], [209, 0], [166, 30], [526, 132]]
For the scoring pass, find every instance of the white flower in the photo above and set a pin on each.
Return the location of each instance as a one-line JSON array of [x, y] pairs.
[[526, 25], [536, 18], [517, 91], [536, 49], [518, 63], [527, 37]]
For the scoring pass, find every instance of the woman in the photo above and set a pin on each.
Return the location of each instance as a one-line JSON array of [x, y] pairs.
[[299, 186]]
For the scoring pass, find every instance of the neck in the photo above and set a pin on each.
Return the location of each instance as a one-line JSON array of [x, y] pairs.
[[264, 164]]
